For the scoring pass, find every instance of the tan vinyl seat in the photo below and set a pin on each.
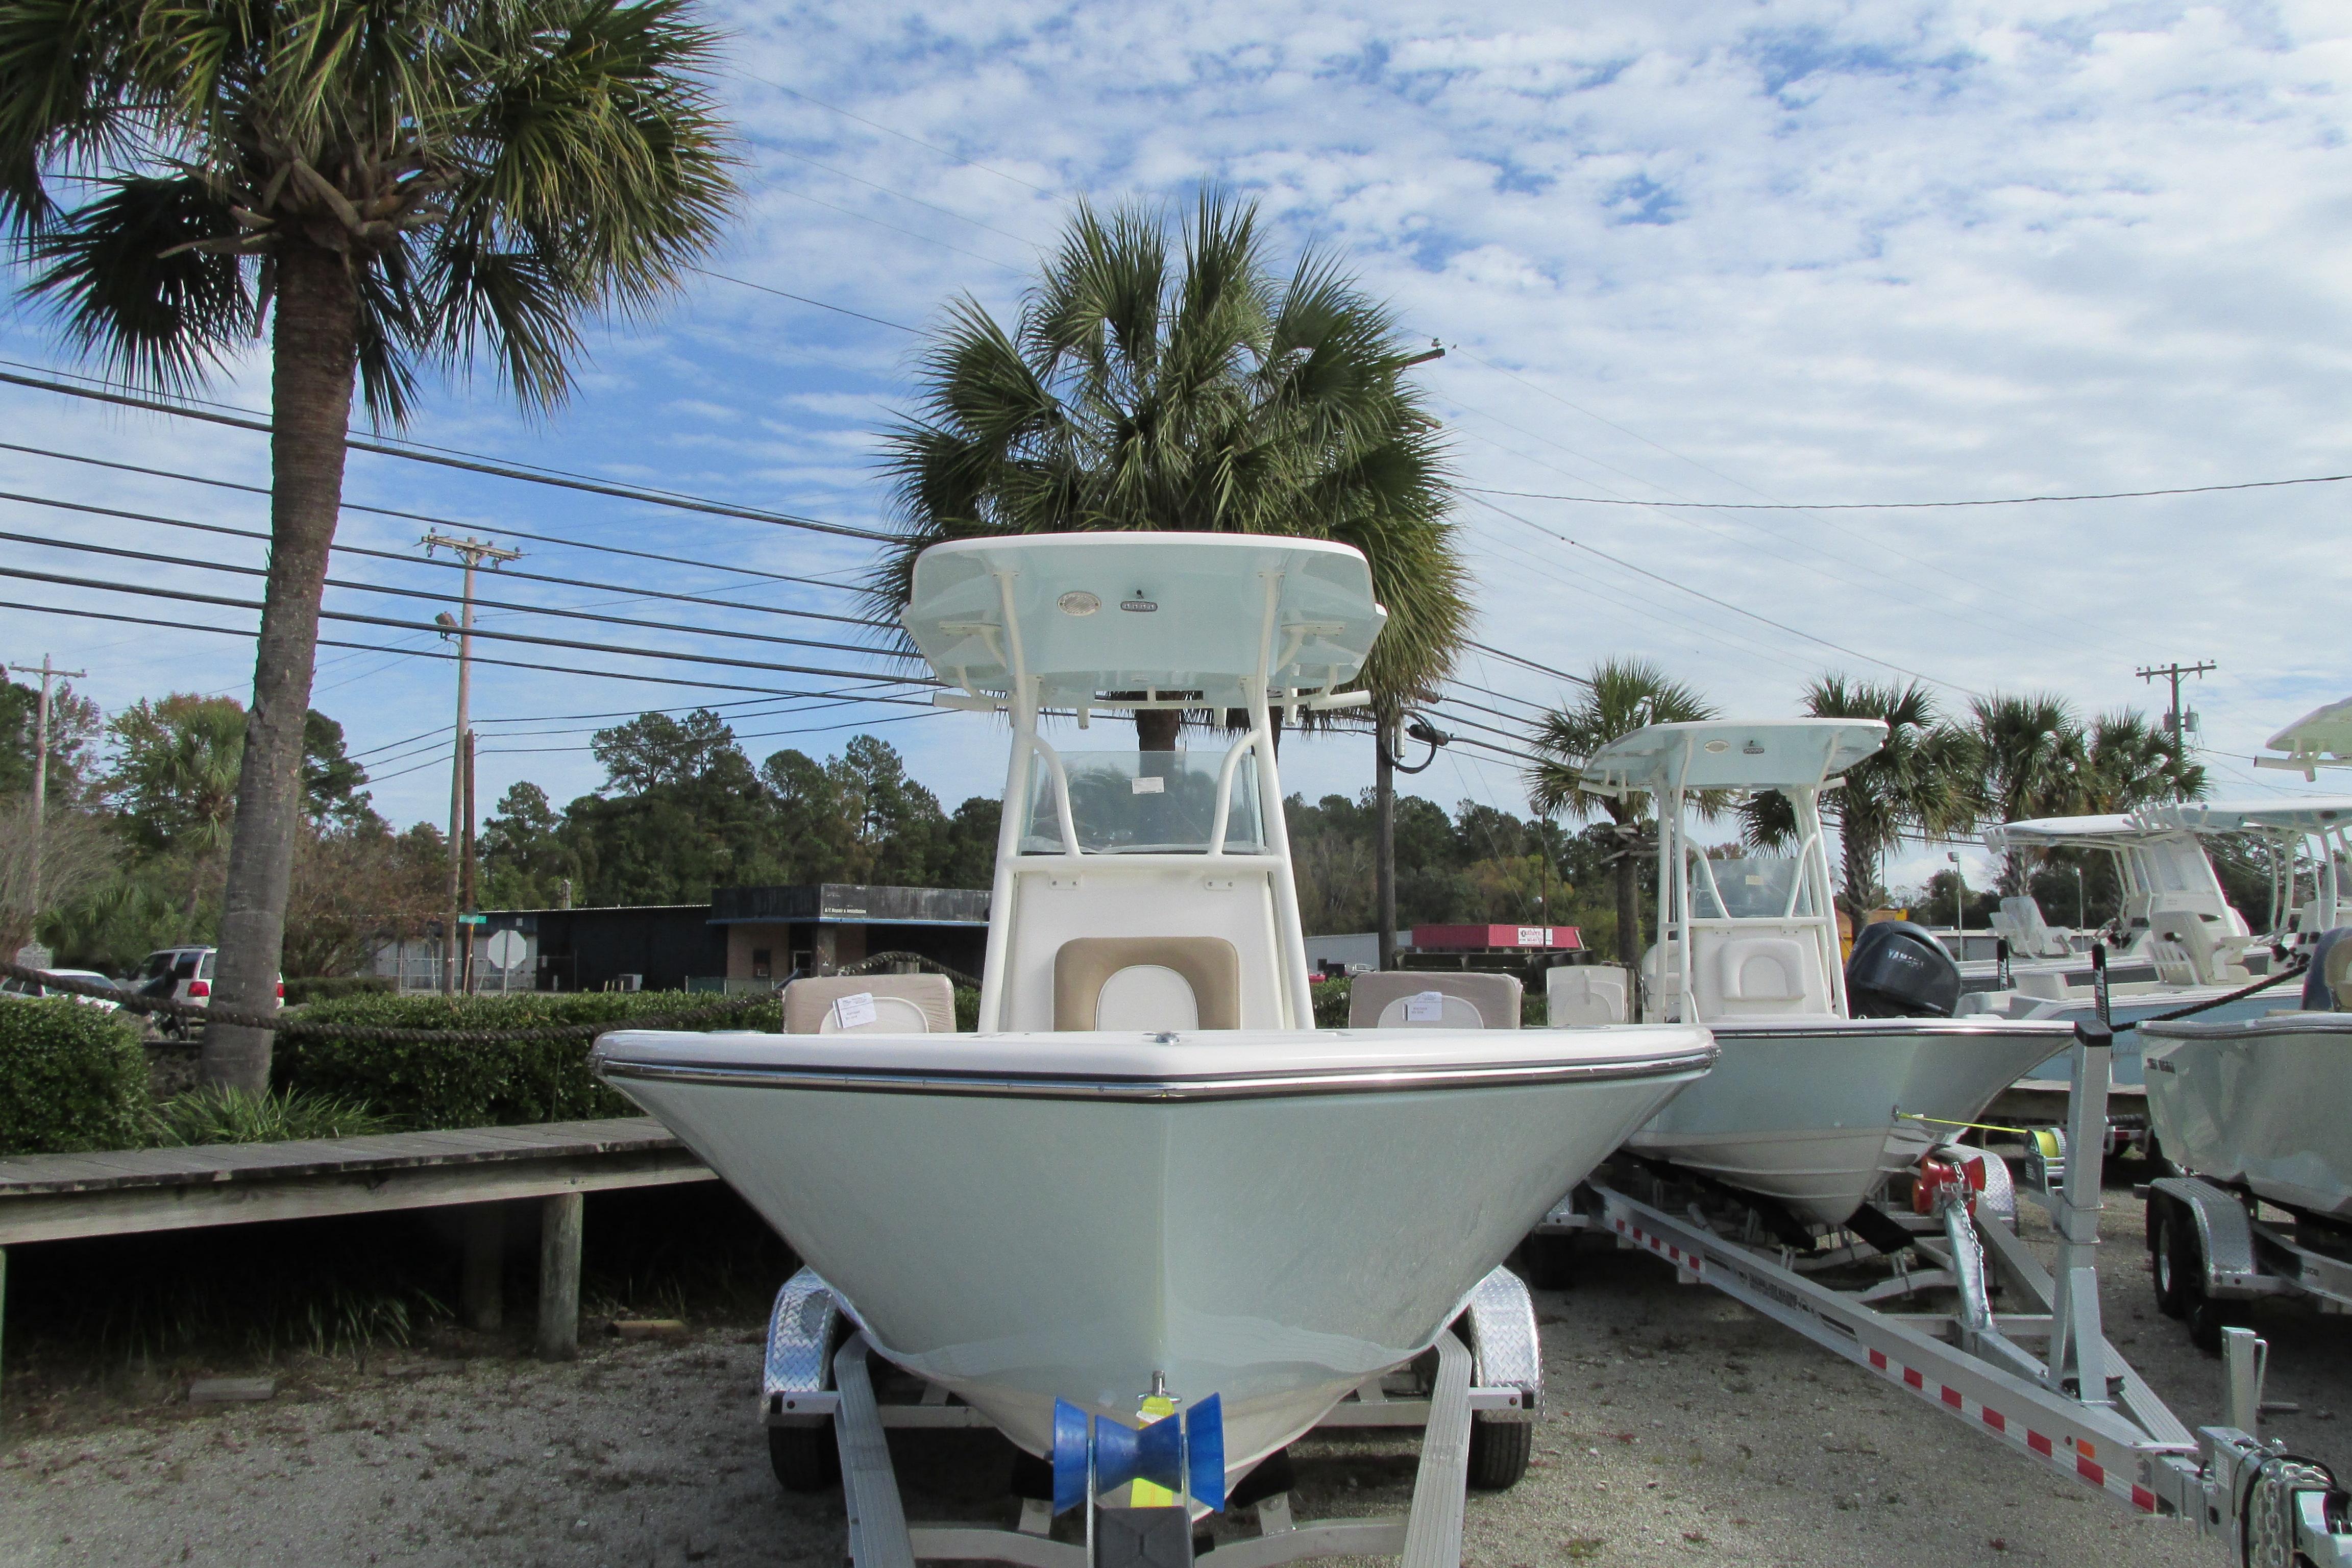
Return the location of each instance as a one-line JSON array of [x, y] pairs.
[[1148, 982], [903, 1005], [1467, 1001], [1585, 994]]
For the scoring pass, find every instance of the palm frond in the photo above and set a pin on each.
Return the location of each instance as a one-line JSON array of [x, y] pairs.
[[132, 292]]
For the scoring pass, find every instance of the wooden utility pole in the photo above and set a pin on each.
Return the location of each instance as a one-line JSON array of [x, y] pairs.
[[1384, 906], [2176, 720], [460, 947], [48, 673]]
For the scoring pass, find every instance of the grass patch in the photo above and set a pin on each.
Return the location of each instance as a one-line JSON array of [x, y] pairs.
[[215, 1114]]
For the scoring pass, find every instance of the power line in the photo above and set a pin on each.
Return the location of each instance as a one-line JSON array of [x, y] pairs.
[[347, 583], [767, 692], [805, 300], [448, 459], [1531, 664], [1916, 505], [889, 191], [451, 523], [1725, 603], [183, 595], [444, 566]]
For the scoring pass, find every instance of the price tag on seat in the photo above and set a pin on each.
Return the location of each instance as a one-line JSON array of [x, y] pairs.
[[854, 1011], [1425, 1008]]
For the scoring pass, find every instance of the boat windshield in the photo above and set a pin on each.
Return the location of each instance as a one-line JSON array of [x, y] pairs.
[[1138, 803], [1750, 887]]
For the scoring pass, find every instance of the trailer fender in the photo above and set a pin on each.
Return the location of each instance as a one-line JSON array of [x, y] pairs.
[[2226, 1236]]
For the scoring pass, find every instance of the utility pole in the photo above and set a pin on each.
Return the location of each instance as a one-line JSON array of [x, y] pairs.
[[459, 946], [2176, 720], [48, 672]]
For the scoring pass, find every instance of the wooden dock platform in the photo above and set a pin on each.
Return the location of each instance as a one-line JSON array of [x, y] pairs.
[[57, 1197]]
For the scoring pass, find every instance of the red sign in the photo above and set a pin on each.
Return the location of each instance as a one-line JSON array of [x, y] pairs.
[[1459, 939]]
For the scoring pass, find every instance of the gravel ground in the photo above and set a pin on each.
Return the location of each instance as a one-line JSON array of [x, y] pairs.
[[1680, 1428]]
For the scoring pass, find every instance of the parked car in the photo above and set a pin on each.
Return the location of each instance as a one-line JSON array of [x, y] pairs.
[[182, 975], [14, 988]]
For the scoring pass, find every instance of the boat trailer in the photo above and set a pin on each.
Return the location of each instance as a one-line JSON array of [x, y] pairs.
[[829, 1401], [2035, 1371]]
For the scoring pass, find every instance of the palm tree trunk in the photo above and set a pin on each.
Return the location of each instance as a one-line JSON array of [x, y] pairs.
[[312, 363], [1384, 906], [1628, 871]]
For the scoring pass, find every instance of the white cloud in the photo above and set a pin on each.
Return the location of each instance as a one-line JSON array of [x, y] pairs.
[[1794, 249]]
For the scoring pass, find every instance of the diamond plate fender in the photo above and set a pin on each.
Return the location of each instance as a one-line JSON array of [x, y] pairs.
[[2227, 1234], [803, 1331], [1500, 1323]]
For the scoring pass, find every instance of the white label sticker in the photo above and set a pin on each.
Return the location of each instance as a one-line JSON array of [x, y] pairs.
[[1154, 785], [1425, 1008], [1534, 936], [854, 1011]]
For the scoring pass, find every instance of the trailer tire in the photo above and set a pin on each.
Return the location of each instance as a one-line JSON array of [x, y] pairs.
[[2205, 1316], [1499, 1451], [2168, 1220], [806, 1458]]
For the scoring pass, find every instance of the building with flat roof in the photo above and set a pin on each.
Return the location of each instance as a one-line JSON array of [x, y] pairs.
[[744, 938]]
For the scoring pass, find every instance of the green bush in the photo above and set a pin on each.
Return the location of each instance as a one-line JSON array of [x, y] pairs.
[[967, 1006], [1330, 1001], [327, 987], [215, 1114], [71, 1078], [457, 1083]]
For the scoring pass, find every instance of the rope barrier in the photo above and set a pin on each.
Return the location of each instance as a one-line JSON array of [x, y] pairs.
[[870, 964]]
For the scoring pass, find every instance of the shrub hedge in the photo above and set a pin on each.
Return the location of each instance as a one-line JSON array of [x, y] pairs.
[[322, 987], [450, 1083], [71, 1078]]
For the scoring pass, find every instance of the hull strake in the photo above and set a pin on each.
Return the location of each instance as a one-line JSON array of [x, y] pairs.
[[1274, 1250]]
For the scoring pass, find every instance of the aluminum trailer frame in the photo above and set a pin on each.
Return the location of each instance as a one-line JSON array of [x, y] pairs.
[[1488, 1372], [2076, 1405], [2243, 1256]]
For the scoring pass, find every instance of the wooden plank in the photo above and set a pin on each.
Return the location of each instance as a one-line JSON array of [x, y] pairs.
[[56, 1217], [37, 1174]]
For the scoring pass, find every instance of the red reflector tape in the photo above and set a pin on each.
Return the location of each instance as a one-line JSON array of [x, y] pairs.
[[1995, 1419], [2094, 1474], [1951, 1396], [2143, 1499], [2037, 1442], [1913, 1378], [1878, 1361]]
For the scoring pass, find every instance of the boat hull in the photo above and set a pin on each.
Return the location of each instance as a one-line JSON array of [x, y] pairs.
[[1019, 1241], [1807, 1114], [2258, 1103]]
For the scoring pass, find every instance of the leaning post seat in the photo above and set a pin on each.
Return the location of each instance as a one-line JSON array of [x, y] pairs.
[[1147, 983], [903, 1005], [1469, 1001]]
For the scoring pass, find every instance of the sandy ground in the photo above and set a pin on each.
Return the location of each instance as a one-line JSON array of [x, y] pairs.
[[1680, 1428]]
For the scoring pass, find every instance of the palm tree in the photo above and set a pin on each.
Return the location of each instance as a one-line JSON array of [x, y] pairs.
[[2130, 763], [406, 183], [2032, 762], [1923, 780], [1176, 381], [1620, 696]]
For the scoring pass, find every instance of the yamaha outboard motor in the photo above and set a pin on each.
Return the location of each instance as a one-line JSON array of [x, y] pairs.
[[1899, 970]]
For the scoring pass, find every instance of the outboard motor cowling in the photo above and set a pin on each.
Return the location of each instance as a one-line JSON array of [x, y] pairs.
[[1899, 970]]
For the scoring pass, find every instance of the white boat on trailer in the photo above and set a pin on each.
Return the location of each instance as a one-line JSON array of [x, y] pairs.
[[1808, 1106], [1148, 1183]]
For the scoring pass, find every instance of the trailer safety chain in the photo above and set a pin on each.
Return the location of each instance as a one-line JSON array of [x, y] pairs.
[[298, 1028], [2291, 972], [872, 964], [2267, 1521]]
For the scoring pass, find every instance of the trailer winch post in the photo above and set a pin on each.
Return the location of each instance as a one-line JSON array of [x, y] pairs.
[[2078, 1343], [2245, 1359]]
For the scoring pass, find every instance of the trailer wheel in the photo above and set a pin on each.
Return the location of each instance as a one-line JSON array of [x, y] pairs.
[[806, 1458], [2167, 1218], [1498, 1452], [2205, 1316]]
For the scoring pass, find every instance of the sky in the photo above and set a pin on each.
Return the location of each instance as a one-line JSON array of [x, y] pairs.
[[1751, 255]]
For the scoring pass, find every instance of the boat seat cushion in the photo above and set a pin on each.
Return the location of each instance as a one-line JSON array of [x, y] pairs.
[[1086, 968], [2327, 985], [1585, 994], [901, 1004], [1468, 1001], [1753, 968]]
